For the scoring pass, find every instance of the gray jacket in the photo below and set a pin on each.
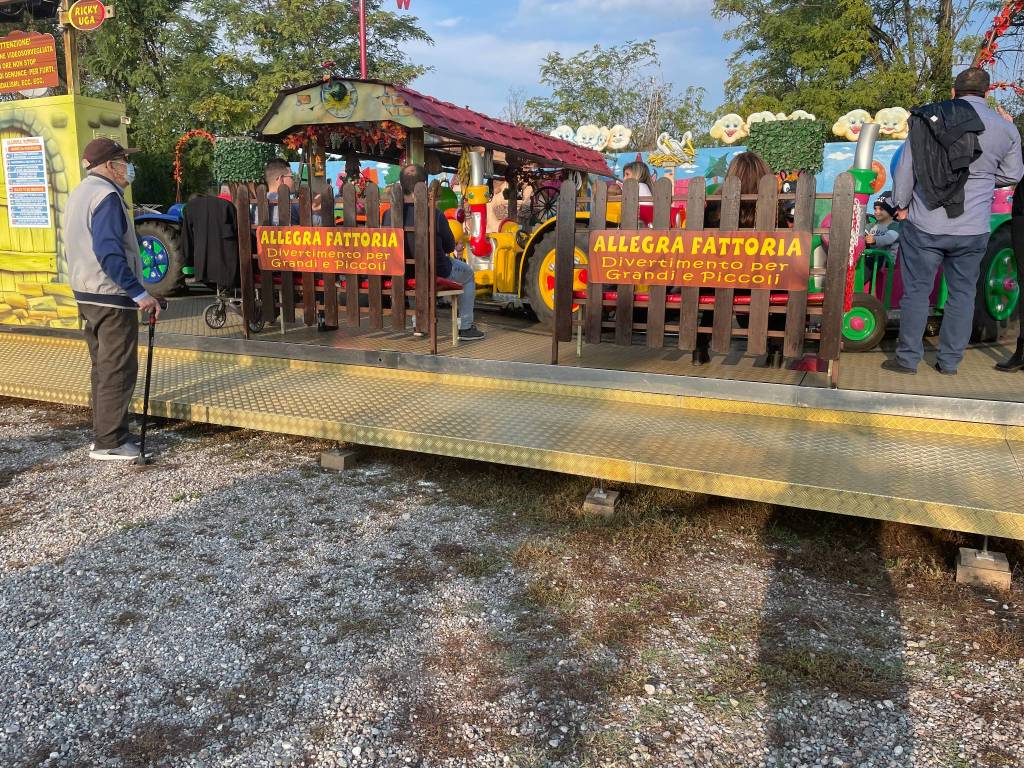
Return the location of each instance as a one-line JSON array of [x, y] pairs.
[[93, 281]]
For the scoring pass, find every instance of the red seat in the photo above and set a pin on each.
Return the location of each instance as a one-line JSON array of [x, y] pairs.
[[443, 284]]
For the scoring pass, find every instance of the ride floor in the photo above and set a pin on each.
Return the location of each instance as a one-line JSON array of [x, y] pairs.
[[955, 463]]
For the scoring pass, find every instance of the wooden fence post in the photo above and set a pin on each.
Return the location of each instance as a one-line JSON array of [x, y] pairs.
[[565, 262], [348, 205], [330, 279], [245, 258], [624, 303], [721, 332], [689, 305], [766, 218], [662, 193], [839, 246], [375, 284], [308, 278], [796, 304], [595, 291], [397, 218]]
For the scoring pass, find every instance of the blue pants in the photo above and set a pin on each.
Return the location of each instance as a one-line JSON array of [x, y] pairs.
[[921, 255], [464, 275]]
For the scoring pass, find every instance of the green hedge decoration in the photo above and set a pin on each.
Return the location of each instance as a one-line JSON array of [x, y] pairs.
[[790, 145], [241, 159]]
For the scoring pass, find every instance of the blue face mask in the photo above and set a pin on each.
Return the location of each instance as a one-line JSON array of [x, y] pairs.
[[129, 172]]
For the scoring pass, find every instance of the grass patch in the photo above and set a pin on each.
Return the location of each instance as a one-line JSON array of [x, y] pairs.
[[832, 669]]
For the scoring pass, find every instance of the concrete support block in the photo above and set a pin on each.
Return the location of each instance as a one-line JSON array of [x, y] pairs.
[[339, 459], [986, 569], [601, 503]]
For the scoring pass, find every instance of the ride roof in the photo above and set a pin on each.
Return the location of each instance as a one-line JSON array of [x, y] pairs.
[[447, 128]]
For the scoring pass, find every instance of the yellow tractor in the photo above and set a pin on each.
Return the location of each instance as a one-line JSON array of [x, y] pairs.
[[515, 267]]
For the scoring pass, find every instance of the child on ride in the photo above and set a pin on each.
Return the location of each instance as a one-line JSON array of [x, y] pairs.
[[884, 233], [638, 170]]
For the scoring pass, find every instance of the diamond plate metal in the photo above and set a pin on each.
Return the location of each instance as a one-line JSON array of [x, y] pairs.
[[830, 461]]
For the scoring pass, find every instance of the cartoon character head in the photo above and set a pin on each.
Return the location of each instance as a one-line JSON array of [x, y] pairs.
[[892, 122], [729, 128], [800, 114], [762, 117], [619, 137], [603, 135], [848, 126], [564, 132], [587, 136]]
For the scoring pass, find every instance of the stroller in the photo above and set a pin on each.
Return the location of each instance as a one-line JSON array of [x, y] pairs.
[[210, 230]]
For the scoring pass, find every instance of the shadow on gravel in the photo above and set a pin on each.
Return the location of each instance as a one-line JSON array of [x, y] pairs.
[[832, 646]]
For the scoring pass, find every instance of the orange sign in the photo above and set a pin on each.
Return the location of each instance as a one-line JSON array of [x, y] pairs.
[[701, 258], [87, 15], [27, 60], [337, 250]]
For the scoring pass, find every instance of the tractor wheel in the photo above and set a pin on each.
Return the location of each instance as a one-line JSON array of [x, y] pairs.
[[540, 275], [163, 260], [864, 324], [998, 289]]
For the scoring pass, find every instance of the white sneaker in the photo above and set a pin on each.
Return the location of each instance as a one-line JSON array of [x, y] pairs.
[[125, 452], [133, 439]]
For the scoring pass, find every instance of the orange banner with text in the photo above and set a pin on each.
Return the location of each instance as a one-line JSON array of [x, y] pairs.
[[701, 258], [336, 250]]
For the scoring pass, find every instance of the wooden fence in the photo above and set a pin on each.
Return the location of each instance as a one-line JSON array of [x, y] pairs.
[[356, 300], [712, 317]]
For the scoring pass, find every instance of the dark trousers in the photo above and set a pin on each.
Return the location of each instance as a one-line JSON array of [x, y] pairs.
[[113, 339], [921, 255]]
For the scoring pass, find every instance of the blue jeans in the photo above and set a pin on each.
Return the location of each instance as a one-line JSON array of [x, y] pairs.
[[463, 274], [921, 255]]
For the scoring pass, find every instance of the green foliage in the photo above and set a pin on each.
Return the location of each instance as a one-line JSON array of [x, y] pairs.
[[832, 57], [218, 64], [241, 159], [608, 86], [790, 145]]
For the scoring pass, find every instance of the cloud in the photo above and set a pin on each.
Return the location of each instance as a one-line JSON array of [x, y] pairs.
[[840, 155], [621, 8], [450, 22], [887, 146]]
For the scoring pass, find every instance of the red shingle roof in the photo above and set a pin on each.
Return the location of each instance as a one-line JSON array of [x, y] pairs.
[[443, 118]]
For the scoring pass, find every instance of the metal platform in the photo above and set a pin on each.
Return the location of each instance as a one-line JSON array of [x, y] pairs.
[[512, 338], [820, 451]]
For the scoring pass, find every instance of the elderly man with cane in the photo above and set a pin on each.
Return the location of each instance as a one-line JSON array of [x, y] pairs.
[[104, 267]]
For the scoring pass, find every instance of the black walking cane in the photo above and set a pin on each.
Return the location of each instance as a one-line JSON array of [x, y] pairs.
[[143, 459]]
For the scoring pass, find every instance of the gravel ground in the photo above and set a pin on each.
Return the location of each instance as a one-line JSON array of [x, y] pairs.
[[234, 605]]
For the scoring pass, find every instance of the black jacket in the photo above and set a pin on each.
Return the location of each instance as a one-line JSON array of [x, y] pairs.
[[210, 230], [944, 143]]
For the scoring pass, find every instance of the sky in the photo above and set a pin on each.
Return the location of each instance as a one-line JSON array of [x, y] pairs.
[[481, 49]]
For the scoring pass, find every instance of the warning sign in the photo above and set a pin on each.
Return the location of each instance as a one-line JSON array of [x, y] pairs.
[[28, 186], [27, 61]]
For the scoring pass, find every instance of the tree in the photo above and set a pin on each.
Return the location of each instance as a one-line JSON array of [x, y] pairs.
[[515, 107], [272, 45], [615, 85], [829, 58], [218, 64]]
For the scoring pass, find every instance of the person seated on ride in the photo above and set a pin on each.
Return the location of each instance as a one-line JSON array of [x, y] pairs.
[[883, 234], [277, 172], [446, 266], [638, 170], [749, 167]]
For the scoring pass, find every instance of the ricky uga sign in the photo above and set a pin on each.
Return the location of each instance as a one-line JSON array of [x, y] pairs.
[[777, 260]]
